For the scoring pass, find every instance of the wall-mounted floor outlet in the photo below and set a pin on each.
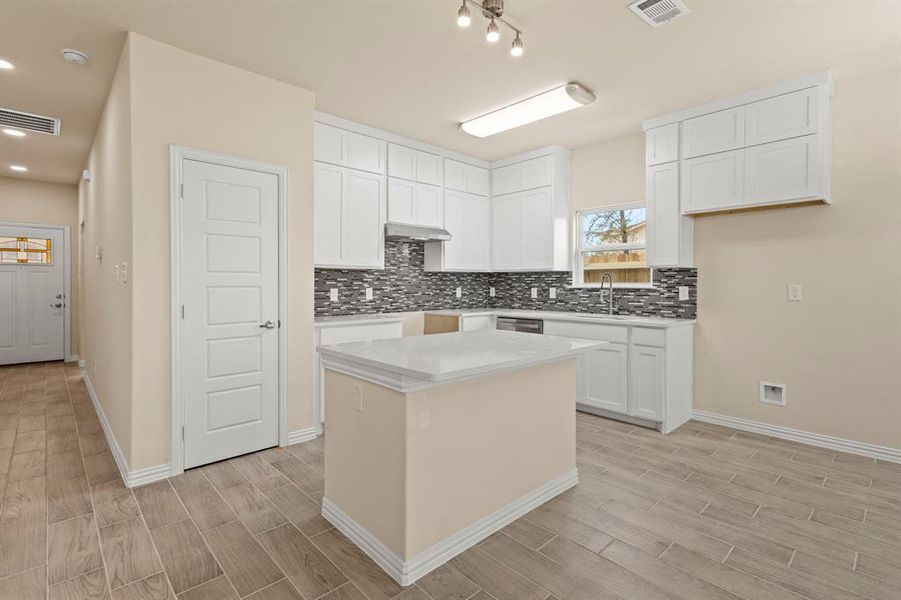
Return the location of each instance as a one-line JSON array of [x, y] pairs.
[[459, 292], [369, 293], [534, 292], [683, 292], [773, 393], [552, 293], [491, 292], [358, 397], [333, 294], [794, 292]]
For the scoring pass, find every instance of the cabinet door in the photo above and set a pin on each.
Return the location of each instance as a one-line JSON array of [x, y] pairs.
[[714, 182], [784, 171], [428, 168], [664, 217], [478, 181], [505, 180], [401, 197], [477, 254], [455, 221], [782, 117], [605, 378], [537, 172], [537, 241], [716, 132], [329, 144], [455, 175], [506, 219], [428, 208], [648, 384], [662, 144], [366, 153], [364, 219], [475, 323], [328, 191], [401, 162]]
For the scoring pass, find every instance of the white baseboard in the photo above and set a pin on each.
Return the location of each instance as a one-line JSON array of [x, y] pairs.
[[73, 358], [803, 437], [129, 478], [406, 572], [302, 435]]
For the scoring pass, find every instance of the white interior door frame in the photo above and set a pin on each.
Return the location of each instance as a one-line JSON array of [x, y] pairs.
[[177, 156], [67, 285]]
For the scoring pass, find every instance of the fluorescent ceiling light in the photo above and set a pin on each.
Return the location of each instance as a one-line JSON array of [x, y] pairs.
[[19, 168], [553, 102], [14, 132], [6, 65]]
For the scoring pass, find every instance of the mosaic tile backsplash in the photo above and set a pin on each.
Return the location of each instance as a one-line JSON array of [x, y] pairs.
[[404, 285]]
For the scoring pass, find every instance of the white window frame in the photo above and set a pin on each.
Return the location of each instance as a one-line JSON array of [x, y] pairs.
[[579, 248]]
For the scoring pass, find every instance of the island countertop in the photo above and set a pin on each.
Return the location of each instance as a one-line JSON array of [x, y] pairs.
[[420, 361]]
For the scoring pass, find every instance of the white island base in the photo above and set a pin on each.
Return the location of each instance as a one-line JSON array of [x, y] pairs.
[[416, 477]]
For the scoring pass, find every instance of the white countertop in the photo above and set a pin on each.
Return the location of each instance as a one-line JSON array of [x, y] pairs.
[[415, 362], [565, 316], [325, 321]]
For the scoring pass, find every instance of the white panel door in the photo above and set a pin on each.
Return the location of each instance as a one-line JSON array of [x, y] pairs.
[[647, 369], [230, 291], [537, 242], [364, 220], [401, 199], [506, 227], [783, 171], [716, 132], [328, 193], [32, 296], [713, 182], [605, 378], [537, 172]]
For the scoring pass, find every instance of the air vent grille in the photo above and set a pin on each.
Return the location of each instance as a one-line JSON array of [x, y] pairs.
[[658, 12], [29, 122]]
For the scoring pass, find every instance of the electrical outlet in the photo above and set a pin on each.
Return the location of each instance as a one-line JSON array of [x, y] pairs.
[[794, 292], [333, 294], [116, 270], [459, 292], [358, 397], [552, 293], [491, 292], [123, 270], [683, 292], [534, 292], [369, 293]]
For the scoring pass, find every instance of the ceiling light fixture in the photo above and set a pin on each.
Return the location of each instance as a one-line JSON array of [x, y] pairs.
[[14, 132], [463, 18], [76, 57], [553, 102], [19, 168], [493, 10], [6, 65]]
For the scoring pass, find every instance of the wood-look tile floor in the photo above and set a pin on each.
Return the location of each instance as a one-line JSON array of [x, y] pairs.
[[706, 512]]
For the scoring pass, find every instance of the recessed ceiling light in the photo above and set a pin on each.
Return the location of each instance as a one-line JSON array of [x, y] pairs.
[[14, 132], [19, 168], [76, 57], [6, 65], [555, 101]]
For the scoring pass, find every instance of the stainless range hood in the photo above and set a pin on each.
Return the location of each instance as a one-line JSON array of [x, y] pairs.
[[402, 232]]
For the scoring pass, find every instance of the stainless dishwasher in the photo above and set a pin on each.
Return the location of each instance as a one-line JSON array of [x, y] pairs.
[[524, 325]]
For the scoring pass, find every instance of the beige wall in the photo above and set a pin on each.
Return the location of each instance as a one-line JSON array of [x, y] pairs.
[[105, 207], [38, 202], [181, 98], [839, 350]]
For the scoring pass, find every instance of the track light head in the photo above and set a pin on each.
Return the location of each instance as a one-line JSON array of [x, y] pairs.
[[463, 17], [516, 48], [494, 34]]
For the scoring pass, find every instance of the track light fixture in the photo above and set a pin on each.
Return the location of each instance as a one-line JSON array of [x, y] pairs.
[[493, 10]]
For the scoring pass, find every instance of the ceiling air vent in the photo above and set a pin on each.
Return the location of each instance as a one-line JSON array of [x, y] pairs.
[[29, 122], [658, 12]]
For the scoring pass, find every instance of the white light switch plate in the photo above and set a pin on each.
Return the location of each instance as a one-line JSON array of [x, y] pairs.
[[333, 294], [534, 292], [552, 293], [369, 293], [491, 292], [459, 292], [683, 292], [794, 292]]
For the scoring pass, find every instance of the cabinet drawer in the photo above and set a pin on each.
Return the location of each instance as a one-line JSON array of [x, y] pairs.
[[646, 336], [716, 132], [588, 331], [782, 117]]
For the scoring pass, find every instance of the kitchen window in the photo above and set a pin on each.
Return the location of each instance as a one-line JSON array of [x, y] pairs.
[[613, 240]]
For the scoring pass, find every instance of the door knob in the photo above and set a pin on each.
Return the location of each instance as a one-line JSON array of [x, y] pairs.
[[268, 325], [57, 305]]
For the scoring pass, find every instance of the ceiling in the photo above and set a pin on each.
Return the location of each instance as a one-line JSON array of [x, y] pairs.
[[406, 67]]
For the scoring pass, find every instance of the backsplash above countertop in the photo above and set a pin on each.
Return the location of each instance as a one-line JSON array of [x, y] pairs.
[[404, 286]]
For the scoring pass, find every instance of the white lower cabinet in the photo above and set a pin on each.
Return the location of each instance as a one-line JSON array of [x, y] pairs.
[[605, 378], [648, 376]]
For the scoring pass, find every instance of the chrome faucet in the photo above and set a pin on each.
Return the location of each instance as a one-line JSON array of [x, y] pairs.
[[607, 277]]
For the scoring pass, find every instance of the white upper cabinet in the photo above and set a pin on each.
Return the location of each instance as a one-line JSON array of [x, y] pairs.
[[468, 219], [528, 174], [784, 171], [349, 149], [428, 168], [670, 234], [506, 233], [713, 182], [414, 203], [783, 117], [716, 132], [662, 144], [466, 178], [414, 165], [349, 217]]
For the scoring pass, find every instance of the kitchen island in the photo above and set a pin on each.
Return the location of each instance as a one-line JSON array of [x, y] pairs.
[[436, 442]]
